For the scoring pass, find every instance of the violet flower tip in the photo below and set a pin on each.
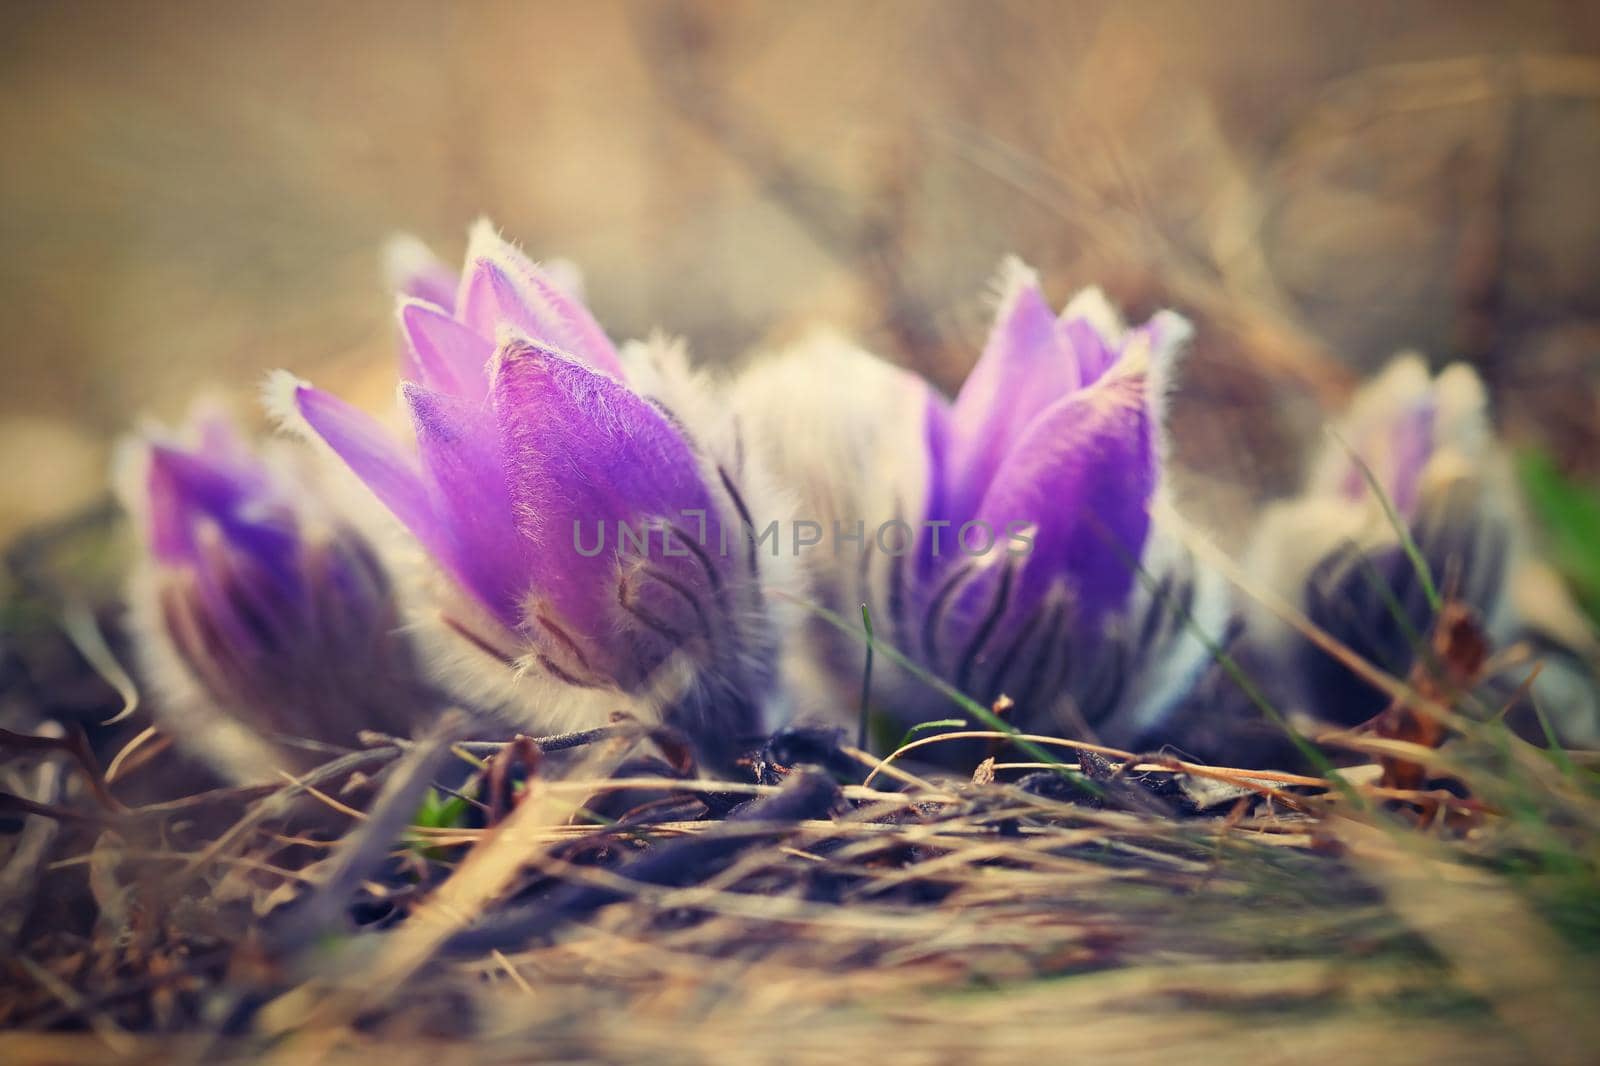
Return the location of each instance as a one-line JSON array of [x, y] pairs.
[[485, 246], [1091, 305]]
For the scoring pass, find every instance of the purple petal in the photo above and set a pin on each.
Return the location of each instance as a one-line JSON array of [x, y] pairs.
[[256, 602], [1411, 446], [491, 299], [1093, 333], [187, 490], [1024, 368], [1396, 453], [571, 321], [377, 459], [446, 356], [1084, 474], [503, 287], [462, 463], [1091, 352], [582, 449]]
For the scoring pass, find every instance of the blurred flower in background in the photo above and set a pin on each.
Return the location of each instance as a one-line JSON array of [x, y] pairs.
[[1339, 553], [259, 614]]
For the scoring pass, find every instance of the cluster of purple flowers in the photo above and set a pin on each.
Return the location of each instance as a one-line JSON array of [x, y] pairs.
[[274, 601]]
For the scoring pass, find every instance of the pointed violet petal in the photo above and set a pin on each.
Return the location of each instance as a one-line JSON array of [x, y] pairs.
[[1093, 333], [187, 490], [570, 319], [1023, 369], [460, 453], [1410, 447], [503, 286], [377, 459], [582, 449], [447, 356], [1395, 454], [1366, 425], [1090, 351], [491, 299], [1083, 474]]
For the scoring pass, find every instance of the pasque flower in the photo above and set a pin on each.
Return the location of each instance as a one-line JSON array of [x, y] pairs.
[[1336, 551], [260, 615], [590, 542], [1026, 507]]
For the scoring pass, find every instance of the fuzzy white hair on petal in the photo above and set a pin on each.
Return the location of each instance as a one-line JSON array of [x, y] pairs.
[[1009, 280], [1091, 305], [483, 240], [280, 391], [1462, 424], [845, 428], [512, 691], [1173, 333], [846, 433]]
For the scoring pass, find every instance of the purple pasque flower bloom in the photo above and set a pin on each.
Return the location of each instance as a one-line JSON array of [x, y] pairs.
[[1335, 553], [1010, 546], [259, 614], [593, 547]]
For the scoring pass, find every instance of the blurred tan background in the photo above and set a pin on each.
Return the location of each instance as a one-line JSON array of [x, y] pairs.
[[190, 195]]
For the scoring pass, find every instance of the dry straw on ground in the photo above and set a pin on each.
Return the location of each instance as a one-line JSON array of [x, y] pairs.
[[599, 906]]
